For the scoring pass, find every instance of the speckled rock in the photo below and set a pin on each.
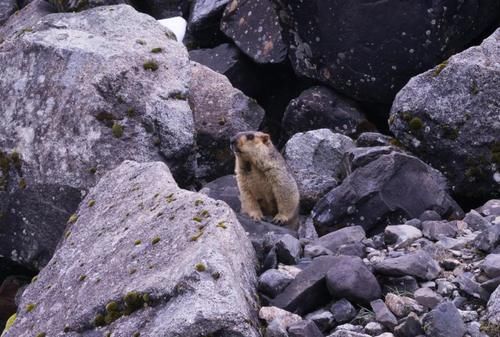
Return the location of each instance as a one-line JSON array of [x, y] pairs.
[[315, 159], [494, 307], [335, 41], [384, 192], [321, 107], [448, 116], [205, 16], [25, 19], [444, 321], [79, 5], [7, 8], [255, 29], [143, 247], [122, 111], [491, 265], [220, 111]]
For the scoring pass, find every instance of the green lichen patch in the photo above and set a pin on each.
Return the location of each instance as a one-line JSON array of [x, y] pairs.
[[82, 278], [34, 279], [22, 183], [99, 320], [131, 112], [415, 124], [196, 236], [137, 242], [117, 130], [155, 240], [150, 65], [41, 334], [157, 50], [450, 132], [222, 225], [136, 334], [30, 307], [92, 170], [91, 203], [474, 88], [216, 275], [73, 218], [198, 202], [200, 267], [197, 219], [15, 158], [440, 67]]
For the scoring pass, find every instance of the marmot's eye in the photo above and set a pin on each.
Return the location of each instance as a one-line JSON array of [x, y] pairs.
[[250, 137]]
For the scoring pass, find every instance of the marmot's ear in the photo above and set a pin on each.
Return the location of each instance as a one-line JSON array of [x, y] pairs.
[[265, 138]]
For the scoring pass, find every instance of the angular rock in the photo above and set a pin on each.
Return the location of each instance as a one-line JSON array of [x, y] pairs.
[[385, 192], [436, 230], [491, 207], [275, 329], [401, 235], [429, 215], [228, 60], [306, 230], [427, 297], [343, 311], [304, 328], [323, 319], [489, 238], [383, 314], [350, 278], [315, 158], [419, 264], [308, 290], [205, 15], [79, 5], [7, 8], [467, 283], [491, 265], [410, 327], [220, 111], [278, 321], [374, 328], [255, 29], [494, 307], [118, 113], [328, 40], [403, 284], [226, 189], [339, 239], [444, 321], [402, 305], [272, 282], [369, 139], [491, 285], [347, 333], [441, 110], [134, 242], [475, 221], [361, 156], [321, 107], [288, 249]]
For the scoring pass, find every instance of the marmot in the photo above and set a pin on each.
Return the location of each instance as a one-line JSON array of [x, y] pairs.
[[265, 183]]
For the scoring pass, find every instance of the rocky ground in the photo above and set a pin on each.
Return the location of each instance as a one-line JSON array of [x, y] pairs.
[[119, 213]]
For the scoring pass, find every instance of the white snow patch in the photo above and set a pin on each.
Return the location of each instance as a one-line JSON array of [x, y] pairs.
[[177, 25]]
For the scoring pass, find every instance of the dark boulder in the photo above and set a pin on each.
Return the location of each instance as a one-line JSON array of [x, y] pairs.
[[386, 191], [226, 189], [79, 5], [444, 321], [369, 50], [161, 9]]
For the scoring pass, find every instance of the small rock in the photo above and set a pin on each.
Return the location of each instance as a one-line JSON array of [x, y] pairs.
[[272, 282], [491, 265], [492, 207], [288, 249], [401, 235], [428, 298], [444, 321], [402, 305], [304, 328], [350, 278], [468, 285], [344, 236], [489, 238], [383, 314], [323, 319], [410, 327], [494, 307], [429, 215], [444, 287], [347, 333], [313, 251], [403, 284], [475, 221], [469, 315], [449, 263], [285, 318], [369, 139], [343, 311], [275, 329], [436, 230], [374, 328], [419, 264]]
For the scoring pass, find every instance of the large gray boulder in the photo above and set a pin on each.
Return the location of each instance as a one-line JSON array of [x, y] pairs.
[[80, 93], [448, 116], [145, 256], [370, 49], [7, 8], [25, 19], [315, 158], [386, 191], [494, 307], [220, 111]]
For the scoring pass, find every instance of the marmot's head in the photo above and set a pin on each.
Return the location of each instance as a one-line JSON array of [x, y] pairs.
[[251, 144]]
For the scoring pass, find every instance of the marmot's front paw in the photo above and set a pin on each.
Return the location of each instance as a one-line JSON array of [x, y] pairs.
[[256, 215], [280, 219]]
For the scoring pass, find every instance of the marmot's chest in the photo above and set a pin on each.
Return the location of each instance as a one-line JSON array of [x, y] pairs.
[[260, 186]]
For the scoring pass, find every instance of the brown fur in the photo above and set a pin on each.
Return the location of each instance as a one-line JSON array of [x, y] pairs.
[[266, 186]]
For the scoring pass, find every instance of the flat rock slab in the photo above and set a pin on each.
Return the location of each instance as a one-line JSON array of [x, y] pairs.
[[171, 261], [419, 264]]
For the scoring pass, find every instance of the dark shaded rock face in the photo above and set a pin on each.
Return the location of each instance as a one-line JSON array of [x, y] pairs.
[[368, 50], [444, 321], [7, 8], [79, 5], [162, 9], [321, 107], [134, 256], [255, 29], [81, 93], [220, 111], [204, 21], [394, 187], [448, 116]]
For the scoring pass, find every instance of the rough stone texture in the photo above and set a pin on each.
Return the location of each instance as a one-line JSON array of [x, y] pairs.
[[436, 230], [448, 116], [62, 141], [491, 207], [476, 221], [394, 187], [272, 282], [25, 19], [411, 327], [288, 249], [427, 297], [419, 264], [315, 159], [254, 28], [228, 60], [205, 15], [224, 188], [338, 240], [282, 318], [323, 319], [401, 306], [401, 235], [488, 239], [343, 311], [361, 156], [444, 321], [368, 139], [321, 107], [494, 307], [335, 41], [308, 290], [383, 314], [304, 328], [347, 333], [79, 5], [350, 278], [220, 111], [491, 265], [135, 233], [7, 8]]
